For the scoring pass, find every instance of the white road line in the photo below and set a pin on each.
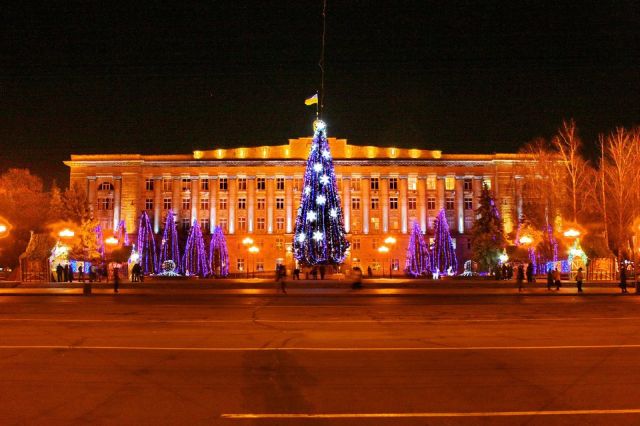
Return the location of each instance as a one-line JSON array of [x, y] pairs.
[[318, 349], [427, 415]]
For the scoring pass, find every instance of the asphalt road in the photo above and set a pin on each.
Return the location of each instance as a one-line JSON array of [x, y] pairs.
[[319, 360]]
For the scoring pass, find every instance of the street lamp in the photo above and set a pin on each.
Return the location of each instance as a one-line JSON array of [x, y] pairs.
[[571, 233], [383, 250], [66, 233], [247, 242], [390, 241], [112, 241], [253, 250]]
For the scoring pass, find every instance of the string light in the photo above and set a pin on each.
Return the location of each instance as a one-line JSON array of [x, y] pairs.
[[418, 261], [321, 200], [218, 254], [194, 261], [324, 179], [169, 248], [146, 245], [444, 260]]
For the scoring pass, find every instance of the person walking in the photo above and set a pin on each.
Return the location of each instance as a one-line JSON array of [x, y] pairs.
[[520, 276], [556, 279], [322, 272], [81, 271], [296, 274], [579, 278], [116, 278], [623, 279], [281, 273], [549, 279], [530, 273], [59, 272]]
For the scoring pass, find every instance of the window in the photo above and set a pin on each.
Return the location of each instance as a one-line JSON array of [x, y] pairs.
[[395, 264], [412, 183], [105, 203], [148, 184], [449, 202], [260, 224], [486, 182], [148, 204], [186, 203], [166, 203], [297, 184], [393, 184], [260, 265], [375, 183], [223, 184], [240, 264], [242, 203], [186, 184], [204, 204], [375, 223], [242, 184], [431, 183], [355, 184], [105, 186], [355, 244], [242, 224], [261, 184], [412, 203], [355, 203], [279, 203], [204, 224], [261, 203], [468, 203], [374, 203], [280, 184], [431, 203], [224, 224], [167, 184], [185, 223], [222, 204], [279, 223], [279, 243], [468, 184], [450, 183], [204, 184], [393, 203], [468, 223]]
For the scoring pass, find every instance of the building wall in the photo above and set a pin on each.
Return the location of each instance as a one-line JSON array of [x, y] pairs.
[[256, 192]]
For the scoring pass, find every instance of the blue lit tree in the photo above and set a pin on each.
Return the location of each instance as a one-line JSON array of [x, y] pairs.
[[169, 244], [218, 254], [418, 261], [194, 261], [146, 245], [443, 259], [319, 236]]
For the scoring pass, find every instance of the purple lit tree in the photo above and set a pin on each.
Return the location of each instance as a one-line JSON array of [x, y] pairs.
[[146, 245], [443, 259], [418, 261], [194, 261], [169, 244], [100, 239], [319, 236], [121, 233], [218, 254]]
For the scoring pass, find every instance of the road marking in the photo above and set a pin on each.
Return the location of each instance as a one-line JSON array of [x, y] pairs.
[[312, 349], [426, 415]]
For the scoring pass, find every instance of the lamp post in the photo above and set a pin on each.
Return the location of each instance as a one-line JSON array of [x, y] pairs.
[[253, 250], [4, 228], [390, 241], [573, 235], [247, 242], [383, 250]]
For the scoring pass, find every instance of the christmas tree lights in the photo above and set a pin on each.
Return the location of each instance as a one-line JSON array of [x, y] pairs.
[[443, 260], [100, 239], [194, 261], [418, 260], [120, 233], [218, 255], [146, 245], [169, 244], [319, 236]]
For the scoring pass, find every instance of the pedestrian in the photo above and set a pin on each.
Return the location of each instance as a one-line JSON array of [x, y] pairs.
[[81, 271], [357, 278], [296, 273], [530, 273], [135, 273], [520, 276], [322, 272], [623, 279], [70, 274], [92, 273], [556, 279], [65, 273], [497, 272], [59, 272], [116, 278], [579, 278], [549, 279], [281, 274], [504, 271], [369, 271]]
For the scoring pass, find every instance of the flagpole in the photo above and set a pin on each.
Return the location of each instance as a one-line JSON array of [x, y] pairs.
[[321, 62]]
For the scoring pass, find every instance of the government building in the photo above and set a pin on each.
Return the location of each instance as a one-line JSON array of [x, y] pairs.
[[256, 191]]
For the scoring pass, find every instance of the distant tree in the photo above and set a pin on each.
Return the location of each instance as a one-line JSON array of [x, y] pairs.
[[56, 204], [487, 234], [87, 245], [76, 204]]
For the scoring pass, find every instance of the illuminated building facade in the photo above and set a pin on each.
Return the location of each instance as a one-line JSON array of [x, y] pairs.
[[255, 191]]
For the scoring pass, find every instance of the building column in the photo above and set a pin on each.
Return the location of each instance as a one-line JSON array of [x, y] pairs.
[[288, 204], [176, 202], [231, 203], [346, 204], [195, 198], [404, 214], [91, 193], [519, 210], [383, 201], [439, 193], [270, 201], [365, 203], [117, 200], [422, 204], [157, 203], [460, 204], [213, 203], [251, 197]]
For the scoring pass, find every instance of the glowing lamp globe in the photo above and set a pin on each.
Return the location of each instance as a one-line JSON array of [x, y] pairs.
[[66, 233], [525, 239]]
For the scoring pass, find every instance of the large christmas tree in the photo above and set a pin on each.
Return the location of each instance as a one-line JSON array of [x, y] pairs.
[[319, 236], [418, 262], [194, 261], [443, 259], [487, 234], [169, 244]]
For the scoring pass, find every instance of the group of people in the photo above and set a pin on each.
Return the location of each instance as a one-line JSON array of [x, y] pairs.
[[65, 273], [136, 273], [314, 271]]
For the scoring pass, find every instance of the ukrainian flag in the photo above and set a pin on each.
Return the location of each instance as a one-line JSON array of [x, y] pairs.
[[312, 100]]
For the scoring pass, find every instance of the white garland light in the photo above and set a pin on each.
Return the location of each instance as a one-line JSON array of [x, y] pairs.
[[333, 212], [321, 199], [324, 179], [317, 236], [301, 237], [314, 146], [317, 167], [326, 154], [307, 190], [311, 216]]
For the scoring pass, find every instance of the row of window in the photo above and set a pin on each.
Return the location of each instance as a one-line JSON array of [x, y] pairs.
[[223, 184], [449, 203], [412, 183]]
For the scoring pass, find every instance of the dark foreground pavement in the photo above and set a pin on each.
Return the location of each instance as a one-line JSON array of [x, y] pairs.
[[318, 360]]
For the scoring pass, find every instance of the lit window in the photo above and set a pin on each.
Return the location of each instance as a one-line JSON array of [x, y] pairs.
[[486, 182], [374, 203], [355, 184], [297, 184], [240, 264], [260, 265], [431, 183], [280, 203], [450, 183], [412, 203], [261, 203], [412, 183], [148, 183], [393, 203], [166, 203], [280, 184], [393, 184], [261, 184], [468, 203], [355, 203], [375, 223], [242, 184], [223, 184]]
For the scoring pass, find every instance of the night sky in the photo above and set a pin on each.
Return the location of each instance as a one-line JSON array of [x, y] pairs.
[[155, 77]]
